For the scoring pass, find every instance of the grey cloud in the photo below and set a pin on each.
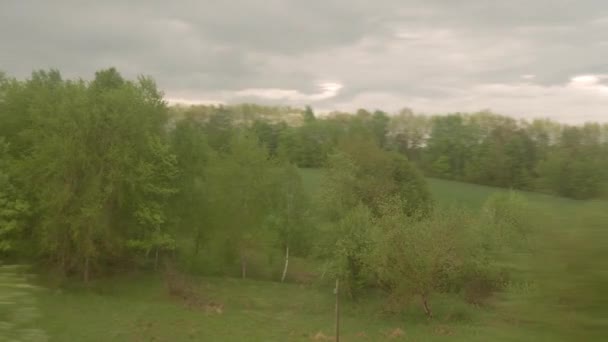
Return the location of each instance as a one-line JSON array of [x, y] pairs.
[[427, 55]]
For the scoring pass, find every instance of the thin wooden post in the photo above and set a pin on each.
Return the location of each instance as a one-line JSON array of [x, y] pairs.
[[286, 264], [337, 291]]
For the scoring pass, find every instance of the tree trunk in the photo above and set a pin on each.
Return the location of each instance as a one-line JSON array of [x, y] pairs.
[[86, 270], [156, 259], [337, 290], [243, 267], [197, 242], [427, 309], [286, 264]]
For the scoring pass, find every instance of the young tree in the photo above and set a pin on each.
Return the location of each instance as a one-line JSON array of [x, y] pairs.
[[418, 257], [240, 186], [346, 245], [289, 212]]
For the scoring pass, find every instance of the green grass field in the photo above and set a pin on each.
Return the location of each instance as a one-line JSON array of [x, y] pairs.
[[139, 308], [448, 193]]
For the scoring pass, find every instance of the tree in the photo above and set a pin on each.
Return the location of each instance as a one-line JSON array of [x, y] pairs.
[[379, 127], [191, 203], [240, 186], [268, 134], [418, 257], [307, 145], [505, 157], [375, 174], [407, 134], [289, 214], [309, 115], [219, 130], [571, 168], [346, 248], [451, 139], [13, 209], [98, 150]]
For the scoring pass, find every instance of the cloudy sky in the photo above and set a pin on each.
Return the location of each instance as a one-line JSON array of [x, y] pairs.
[[524, 58]]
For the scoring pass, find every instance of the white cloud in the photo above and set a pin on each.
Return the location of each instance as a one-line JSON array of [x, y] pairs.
[[328, 90], [432, 55], [182, 101]]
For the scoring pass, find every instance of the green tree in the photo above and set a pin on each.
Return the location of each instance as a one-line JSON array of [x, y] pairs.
[[407, 134], [453, 140], [418, 258], [191, 204], [309, 115], [379, 123], [346, 245], [97, 167], [240, 186], [220, 130], [374, 175], [572, 167], [290, 210], [13, 209]]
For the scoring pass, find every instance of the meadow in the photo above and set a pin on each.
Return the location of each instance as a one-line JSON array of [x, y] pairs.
[[137, 307]]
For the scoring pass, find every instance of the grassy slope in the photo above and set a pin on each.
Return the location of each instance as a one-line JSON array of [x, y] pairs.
[[471, 196], [138, 308], [448, 193]]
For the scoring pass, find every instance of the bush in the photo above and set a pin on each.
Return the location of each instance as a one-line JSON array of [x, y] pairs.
[[419, 258]]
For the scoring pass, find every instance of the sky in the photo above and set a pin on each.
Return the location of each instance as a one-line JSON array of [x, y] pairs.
[[526, 59]]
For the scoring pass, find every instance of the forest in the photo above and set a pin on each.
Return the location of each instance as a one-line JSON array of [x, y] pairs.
[[102, 181]]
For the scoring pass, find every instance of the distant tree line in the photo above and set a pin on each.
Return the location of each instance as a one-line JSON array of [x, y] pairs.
[[482, 148]]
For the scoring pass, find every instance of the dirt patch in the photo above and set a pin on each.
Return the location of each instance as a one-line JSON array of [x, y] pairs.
[[361, 334], [185, 290], [444, 330], [396, 333], [320, 336]]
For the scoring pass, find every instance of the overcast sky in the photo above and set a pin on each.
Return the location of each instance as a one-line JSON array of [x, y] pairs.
[[524, 58]]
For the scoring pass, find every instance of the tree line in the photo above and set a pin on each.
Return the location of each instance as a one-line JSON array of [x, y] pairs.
[[482, 148], [97, 177]]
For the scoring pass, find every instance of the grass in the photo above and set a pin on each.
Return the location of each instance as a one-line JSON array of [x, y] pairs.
[[138, 307], [448, 193]]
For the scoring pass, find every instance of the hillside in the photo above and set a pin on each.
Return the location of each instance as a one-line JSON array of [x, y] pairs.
[[560, 211]]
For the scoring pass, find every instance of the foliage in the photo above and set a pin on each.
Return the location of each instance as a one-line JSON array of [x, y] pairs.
[[362, 172], [13, 209], [418, 258], [95, 164], [346, 248]]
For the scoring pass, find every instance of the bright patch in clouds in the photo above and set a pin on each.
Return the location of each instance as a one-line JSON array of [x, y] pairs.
[[590, 83], [192, 102], [585, 80], [328, 90]]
